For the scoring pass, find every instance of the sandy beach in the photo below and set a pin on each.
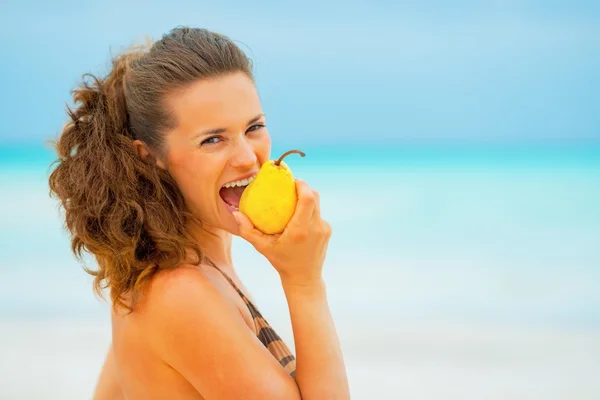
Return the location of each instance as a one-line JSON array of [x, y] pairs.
[[61, 358]]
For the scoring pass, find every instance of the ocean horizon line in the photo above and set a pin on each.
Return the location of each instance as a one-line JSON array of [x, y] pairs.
[[27, 154]]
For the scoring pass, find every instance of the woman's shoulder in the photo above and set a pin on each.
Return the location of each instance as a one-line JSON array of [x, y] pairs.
[[165, 278], [197, 291], [179, 286], [187, 300], [164, 289], [194, 325]]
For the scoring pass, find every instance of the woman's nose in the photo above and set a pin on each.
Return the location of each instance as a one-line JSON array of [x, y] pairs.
[[244, 156]]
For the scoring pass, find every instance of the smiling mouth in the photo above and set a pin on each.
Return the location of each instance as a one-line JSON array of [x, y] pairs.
[[232, 196], [231, 193]]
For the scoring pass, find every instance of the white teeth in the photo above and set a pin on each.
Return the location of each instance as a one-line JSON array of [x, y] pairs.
[[242, 182]]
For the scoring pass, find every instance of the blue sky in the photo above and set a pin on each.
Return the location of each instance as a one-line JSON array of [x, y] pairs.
[[347, 72]]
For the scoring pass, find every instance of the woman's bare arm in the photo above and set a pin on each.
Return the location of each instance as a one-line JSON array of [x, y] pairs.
[[298, 255], [320, 370]]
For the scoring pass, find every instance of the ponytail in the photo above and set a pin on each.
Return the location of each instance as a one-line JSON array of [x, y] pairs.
[[128, 213]]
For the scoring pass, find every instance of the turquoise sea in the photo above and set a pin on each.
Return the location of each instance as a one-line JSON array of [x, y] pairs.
[[472, 264]]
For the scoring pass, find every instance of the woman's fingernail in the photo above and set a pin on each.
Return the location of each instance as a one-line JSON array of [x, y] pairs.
[[236, 216]]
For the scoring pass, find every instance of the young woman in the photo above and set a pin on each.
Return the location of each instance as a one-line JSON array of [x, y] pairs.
[[141, 174]]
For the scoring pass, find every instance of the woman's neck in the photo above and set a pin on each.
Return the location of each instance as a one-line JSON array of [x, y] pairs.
[[214, 243]]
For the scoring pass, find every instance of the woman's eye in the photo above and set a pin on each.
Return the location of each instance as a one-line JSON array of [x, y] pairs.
[[211, 140], [255, 127]]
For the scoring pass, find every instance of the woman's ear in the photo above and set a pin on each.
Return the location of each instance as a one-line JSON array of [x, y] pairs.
[[146, 155]]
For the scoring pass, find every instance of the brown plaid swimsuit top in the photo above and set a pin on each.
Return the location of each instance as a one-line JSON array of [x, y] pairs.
[[266, 334]]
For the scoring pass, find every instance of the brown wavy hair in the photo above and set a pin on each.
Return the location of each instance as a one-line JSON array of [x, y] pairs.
[[129, 213]]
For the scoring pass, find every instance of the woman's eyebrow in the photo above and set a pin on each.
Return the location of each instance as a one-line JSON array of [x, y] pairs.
[[256, 119], [216, 131]]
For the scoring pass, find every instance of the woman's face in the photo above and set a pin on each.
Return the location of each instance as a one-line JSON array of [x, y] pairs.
[[220, 138]]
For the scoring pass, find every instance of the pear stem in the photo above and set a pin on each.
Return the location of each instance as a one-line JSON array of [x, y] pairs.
[[288, 153]]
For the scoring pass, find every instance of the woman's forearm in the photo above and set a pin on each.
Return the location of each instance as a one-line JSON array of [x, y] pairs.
[[320, 370]]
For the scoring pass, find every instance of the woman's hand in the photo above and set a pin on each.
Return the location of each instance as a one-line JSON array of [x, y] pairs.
[[299, 251]]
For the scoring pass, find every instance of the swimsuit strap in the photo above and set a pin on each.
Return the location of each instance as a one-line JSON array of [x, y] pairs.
[[266, 334], [226, 277], [253, 310]]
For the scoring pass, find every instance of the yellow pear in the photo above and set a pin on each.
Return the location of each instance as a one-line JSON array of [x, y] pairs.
[[270, 199]]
